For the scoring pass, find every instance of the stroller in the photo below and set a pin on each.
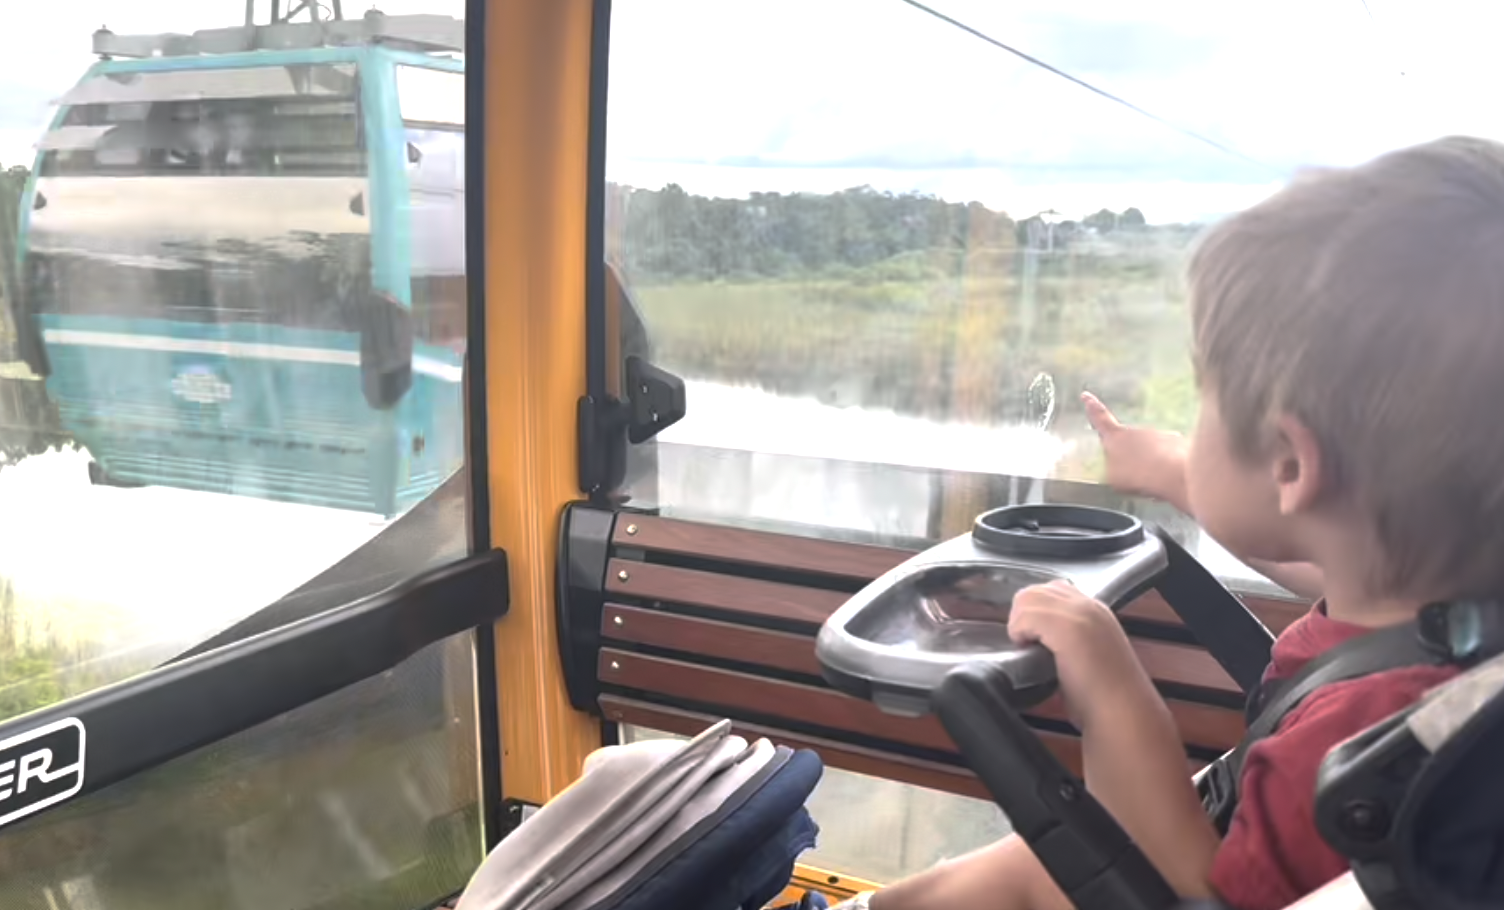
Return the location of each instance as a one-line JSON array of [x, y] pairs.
[[716, 823]]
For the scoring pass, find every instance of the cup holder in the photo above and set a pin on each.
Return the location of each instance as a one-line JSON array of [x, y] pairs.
[[1056, 532]]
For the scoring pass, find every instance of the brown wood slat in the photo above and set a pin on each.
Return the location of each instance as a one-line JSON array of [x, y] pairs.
[[743, 692], [807, 554], [862, 562], [1166, 662], [917, 771], [709, 638], [769, 599], [1217, 728], [1185, 665]]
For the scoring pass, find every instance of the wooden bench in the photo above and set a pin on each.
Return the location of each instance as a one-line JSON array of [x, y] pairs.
[[694, 622]]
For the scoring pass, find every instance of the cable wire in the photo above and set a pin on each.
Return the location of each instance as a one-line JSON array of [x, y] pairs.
[[1035, 61]]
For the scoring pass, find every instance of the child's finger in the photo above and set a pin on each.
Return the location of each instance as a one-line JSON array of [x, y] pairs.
[[1097, 414]]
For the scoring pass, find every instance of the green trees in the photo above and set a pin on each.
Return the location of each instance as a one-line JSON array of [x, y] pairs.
[[678, 236], [906, 301]]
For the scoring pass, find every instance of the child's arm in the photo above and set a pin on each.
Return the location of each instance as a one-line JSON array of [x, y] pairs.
[[1003, 876], [1135, 763], [1146, 462], [1135, 766]]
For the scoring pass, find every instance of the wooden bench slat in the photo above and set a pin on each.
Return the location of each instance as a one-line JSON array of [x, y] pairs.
[[751, 620], [917, 771], [1214, 728], [751, 694], [709, 638], [767, 599], [739, 545], [860, 562], [1166, 662], [1184, 665]]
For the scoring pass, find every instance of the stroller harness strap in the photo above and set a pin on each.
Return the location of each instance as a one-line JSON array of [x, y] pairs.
[[1461, 633]]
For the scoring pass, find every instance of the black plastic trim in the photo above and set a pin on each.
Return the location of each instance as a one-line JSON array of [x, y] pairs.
[[595, 204], [596, 340], [580, 597], [1078, 842], [514, 812], [477, 450], [1221, 623], [168, 712]]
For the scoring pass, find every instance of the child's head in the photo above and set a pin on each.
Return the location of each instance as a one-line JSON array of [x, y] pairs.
[[1349, 343]]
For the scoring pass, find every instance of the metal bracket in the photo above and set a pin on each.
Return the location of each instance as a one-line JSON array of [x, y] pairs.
[[655, 401], [514, 812]]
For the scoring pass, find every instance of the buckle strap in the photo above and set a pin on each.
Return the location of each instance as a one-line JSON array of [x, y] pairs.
[[1218, 788]]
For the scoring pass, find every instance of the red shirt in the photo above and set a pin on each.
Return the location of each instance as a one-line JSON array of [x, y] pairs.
[[1273, 855]]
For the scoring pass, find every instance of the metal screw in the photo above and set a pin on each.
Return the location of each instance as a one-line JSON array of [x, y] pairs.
[[615, 665], [623, 575], [1365, 821], [631, 529], [1068, 791], [617, 620]]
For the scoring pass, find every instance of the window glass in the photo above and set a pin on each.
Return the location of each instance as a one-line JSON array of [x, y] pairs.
[[363, 800], [204, 430], [431, 96], [887, 244], [889, 248], [430, 100]]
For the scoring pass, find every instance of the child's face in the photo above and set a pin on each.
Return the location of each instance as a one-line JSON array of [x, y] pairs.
[[1235, 501]]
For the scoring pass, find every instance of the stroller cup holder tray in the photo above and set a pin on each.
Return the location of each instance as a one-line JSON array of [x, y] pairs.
[[896, 639]]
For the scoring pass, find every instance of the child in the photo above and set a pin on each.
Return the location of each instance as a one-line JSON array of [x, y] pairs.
[[1151, 463], [1348, 343]]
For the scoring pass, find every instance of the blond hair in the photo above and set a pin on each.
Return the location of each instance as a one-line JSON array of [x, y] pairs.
[[1368, 303]]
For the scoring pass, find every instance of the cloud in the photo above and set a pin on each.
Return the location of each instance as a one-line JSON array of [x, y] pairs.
[[1238, 96], [739, 95], [53, 51]]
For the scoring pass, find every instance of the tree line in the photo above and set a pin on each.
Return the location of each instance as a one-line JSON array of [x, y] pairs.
[[675, 235]]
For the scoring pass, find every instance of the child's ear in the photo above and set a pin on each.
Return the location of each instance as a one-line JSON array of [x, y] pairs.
[[1297, 465]]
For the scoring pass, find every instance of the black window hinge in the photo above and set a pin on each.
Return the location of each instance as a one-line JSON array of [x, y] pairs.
[[654, 402]]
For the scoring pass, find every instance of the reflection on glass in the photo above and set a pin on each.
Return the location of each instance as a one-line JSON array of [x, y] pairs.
[[232, 330], [905, 247], [363, 800], [883, 830]]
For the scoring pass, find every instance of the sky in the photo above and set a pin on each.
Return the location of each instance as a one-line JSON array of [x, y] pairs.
[[727, 97]]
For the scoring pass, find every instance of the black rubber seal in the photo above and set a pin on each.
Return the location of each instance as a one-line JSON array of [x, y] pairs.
[[1056, 532]]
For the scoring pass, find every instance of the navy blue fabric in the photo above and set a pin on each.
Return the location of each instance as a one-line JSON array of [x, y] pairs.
[[812, 900], [765, 873], [724, 853], [1458, 845]]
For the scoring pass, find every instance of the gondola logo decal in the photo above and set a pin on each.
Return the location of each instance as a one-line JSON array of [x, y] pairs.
[[201, 385], [40, 768]]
